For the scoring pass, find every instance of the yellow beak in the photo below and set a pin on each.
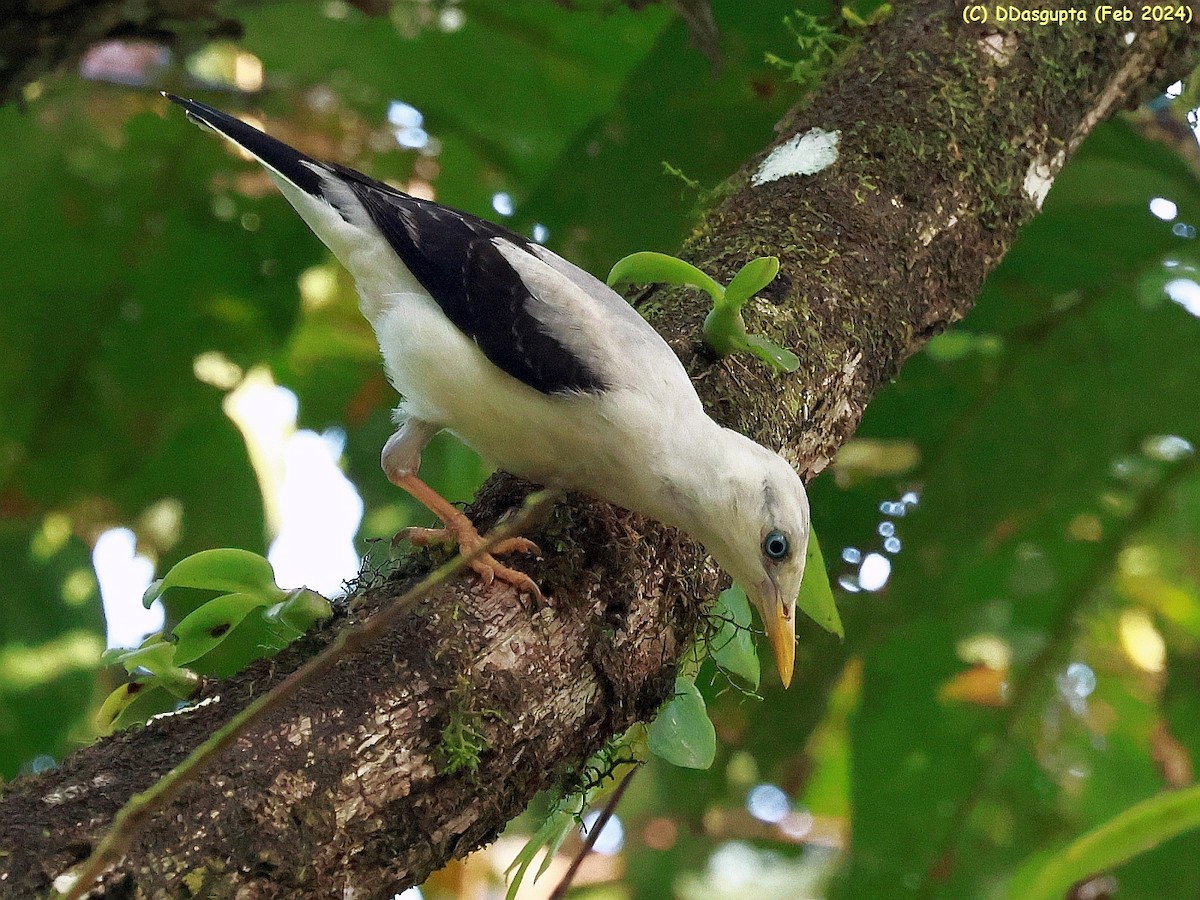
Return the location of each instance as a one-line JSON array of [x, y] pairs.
[[779, 620]]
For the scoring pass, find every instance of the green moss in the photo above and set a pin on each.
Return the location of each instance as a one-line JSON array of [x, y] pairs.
[[463, 741], [194, 881]]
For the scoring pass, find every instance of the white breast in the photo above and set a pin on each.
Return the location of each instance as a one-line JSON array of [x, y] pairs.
[[598, 443], [577, 441]]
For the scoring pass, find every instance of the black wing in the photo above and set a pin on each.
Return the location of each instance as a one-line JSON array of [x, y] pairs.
[[452, 255], [450, 252]]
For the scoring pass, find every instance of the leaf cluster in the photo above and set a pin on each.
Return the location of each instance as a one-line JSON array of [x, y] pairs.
[[223, 611]]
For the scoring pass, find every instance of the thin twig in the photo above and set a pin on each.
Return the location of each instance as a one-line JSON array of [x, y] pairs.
[[141, 807], [594, 834]]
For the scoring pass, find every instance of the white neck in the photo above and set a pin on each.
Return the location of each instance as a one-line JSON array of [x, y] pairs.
[[690, 479]]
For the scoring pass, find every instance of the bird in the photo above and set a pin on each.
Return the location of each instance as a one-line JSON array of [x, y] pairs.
[[545, 372]]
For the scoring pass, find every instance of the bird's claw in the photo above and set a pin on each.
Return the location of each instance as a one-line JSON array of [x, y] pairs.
[[516, 545], [489, 569], [485, 565]]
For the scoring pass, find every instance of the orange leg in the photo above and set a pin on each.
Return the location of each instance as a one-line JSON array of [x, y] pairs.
[[458, 528]]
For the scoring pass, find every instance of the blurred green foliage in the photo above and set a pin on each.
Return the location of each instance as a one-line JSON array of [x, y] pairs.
[[1028, 671]]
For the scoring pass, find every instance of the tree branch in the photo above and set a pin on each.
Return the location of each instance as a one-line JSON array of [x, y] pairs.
[[40, 37], [123, 831], [948, 137]]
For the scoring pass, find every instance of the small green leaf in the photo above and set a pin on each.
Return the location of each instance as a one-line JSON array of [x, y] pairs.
[[816, 596], [300, 611], [751, 278], [226, 569], [134, 704], [682, 733], [156, 656], [180, 682], [724, 330], [648, 267], [249, 640], [210, 624], [568, 808], [549, 837], [1136, 830], [779, 358], [116, 702], [732, 647]]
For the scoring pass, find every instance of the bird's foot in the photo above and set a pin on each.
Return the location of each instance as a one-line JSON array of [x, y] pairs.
[[485, 564]]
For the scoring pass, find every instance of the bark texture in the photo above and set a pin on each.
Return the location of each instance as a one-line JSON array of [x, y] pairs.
[[949, 134]]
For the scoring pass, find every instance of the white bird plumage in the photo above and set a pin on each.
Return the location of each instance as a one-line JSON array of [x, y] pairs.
[[544, 371]]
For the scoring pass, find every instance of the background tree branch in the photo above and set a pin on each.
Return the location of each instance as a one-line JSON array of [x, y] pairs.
[[949, 135], [39, 37]]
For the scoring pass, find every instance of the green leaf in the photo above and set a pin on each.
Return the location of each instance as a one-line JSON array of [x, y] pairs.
[[682, 733], [300, 611], [549, 837], [212, 623], [1136, 830], [226, 569], [155, 655], [732, 647], [569, 808], [135, 703], [648, 267], [816, 596], [262, 633], [779, 358], [751, 278], [116, 701]]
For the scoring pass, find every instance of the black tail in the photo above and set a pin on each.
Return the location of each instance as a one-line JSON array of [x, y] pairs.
[[287, 161]]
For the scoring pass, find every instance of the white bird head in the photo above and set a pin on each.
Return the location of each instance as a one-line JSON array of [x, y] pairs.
[[758, 532]]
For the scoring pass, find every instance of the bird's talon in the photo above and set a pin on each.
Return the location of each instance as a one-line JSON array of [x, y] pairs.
[[484, 567], [517, 545], [489, 570]]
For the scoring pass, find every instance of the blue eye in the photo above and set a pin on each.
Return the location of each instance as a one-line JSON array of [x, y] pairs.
[[775, 545]]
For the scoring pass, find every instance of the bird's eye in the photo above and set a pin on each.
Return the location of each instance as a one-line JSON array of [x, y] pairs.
[[775, 545]]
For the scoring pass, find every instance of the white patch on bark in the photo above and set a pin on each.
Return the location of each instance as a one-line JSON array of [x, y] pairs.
[[64, 794], [804, 154], [1040, 176], [999, 48], [850, 366], [64, 883]]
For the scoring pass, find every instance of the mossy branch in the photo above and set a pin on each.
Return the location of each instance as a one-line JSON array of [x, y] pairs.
[[141, 807]]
